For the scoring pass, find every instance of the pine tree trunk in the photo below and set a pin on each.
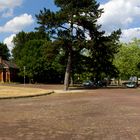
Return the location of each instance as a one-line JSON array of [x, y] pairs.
[[68, 68], [67, 73], [71, 81]]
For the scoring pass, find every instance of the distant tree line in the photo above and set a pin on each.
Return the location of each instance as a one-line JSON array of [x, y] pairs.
[[68, 45]]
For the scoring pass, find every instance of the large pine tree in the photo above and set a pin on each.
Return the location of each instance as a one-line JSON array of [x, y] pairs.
[[71, 24]]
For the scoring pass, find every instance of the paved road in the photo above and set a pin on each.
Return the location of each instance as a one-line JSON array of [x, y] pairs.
[[102, 114]]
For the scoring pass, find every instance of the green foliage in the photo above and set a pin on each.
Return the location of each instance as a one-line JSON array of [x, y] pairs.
[[61, 43], [32, 58], [62, 27], [127, 59], [38, 56], [102, 50], [4, 51]]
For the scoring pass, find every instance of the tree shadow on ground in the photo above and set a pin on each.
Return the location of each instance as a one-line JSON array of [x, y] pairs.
[[96, 88]]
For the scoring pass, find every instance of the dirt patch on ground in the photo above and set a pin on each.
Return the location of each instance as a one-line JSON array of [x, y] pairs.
[[97, 114]]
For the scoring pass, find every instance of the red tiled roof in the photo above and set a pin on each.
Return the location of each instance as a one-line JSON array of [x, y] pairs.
[[8, 64]]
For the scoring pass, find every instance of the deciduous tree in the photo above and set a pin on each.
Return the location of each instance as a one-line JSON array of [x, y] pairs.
[[127, 60]]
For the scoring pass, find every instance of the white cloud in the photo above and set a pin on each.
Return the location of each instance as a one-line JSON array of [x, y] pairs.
[[9, 3], [123, 14], [7, 13], [17, 24], [129, 34], [7, 7], [119, 14], [8, 41]]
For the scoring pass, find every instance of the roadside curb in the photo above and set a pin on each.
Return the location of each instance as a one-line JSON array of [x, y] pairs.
[[68, 91], [26, 96]]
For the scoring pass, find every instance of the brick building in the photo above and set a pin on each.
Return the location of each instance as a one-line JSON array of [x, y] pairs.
[[8, 71]]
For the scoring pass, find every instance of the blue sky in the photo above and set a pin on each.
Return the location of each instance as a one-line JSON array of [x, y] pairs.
[[18, 15]]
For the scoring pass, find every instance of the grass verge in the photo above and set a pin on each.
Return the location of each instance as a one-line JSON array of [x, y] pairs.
[[7, 92]]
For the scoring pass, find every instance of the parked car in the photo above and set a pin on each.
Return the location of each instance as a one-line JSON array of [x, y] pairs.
[[102, 83], [95, 84], [131, 84], [88, 83]]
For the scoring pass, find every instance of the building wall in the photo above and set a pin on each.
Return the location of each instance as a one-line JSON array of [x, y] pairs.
[[5, 76], [1, 76], [8, 76], [8, 71]]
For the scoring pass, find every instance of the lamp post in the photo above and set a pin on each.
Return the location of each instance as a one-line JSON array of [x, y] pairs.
[[24, 75]]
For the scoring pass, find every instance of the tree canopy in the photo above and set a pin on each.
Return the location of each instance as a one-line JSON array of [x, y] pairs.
[[127, 60], [75, 26], [35, 52], [4, 51], [67, 44]]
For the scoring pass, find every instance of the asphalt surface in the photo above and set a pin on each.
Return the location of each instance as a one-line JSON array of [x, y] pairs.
[[95, 114]]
